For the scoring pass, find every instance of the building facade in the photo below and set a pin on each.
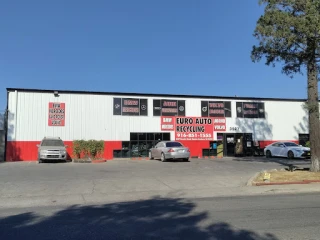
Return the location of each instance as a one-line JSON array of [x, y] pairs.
[[131, 123]]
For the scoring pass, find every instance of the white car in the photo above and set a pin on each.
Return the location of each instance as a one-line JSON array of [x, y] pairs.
[[286, 149]]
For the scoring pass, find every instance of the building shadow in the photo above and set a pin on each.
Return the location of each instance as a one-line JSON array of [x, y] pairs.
[[287, 163], [157, 218], [261, 129]]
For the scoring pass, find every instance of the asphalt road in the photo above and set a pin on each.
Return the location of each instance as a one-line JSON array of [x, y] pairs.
[[251, 217], [27, 184]]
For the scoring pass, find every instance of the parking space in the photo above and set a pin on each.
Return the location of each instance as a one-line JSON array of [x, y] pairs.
[[23, 179]]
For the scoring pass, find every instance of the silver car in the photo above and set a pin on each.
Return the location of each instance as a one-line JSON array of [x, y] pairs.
[[52, 148], [169, 150]]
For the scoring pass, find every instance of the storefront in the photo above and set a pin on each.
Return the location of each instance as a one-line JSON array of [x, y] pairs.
[[130, 124]]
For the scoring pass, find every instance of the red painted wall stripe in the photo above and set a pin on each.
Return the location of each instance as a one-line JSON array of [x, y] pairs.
[[28, 151]]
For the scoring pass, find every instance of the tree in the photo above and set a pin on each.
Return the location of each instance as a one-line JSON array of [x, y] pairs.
[[289, 32]]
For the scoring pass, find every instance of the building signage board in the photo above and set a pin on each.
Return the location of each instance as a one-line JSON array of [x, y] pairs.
[[219, 124], [167, 123], [56, 114], [193, 128], [250, 110], [215, 109], [169, 107], [130, 107]]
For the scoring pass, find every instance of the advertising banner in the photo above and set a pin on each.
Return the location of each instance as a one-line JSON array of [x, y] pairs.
[[193, 128], [215, 109], [130, 107], [167, 123], [219, 124], [250, 110], [169, 107], [56, 114]]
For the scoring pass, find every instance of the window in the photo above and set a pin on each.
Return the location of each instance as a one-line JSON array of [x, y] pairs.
[[215, 109], [250, 110], [52, 143], [130, 107], [173, 144], [169, 107], [133, 136], [290, 144]]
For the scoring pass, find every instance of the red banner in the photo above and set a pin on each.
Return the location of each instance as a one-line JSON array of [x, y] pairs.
[[219, 124], [167, 123], [193, 128], [56, 114]]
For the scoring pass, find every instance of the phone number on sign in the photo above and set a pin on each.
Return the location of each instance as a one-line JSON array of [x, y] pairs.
[[195, 135]]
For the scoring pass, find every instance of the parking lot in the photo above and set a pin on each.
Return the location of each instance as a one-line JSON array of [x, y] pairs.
[[117, 177]]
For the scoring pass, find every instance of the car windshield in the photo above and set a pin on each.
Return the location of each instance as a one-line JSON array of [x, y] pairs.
[[52, 143], [291, 144], [173, 144]]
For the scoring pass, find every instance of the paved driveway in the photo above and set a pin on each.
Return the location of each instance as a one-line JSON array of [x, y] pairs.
[[81, 180]]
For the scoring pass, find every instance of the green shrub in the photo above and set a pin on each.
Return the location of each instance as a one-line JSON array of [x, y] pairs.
[[307, 144], [78, 148], [88, 148]]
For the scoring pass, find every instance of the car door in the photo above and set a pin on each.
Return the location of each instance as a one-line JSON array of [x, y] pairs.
[[275, 149], [283, 150], [157, 151]]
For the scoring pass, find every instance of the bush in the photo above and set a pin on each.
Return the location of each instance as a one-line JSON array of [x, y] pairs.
[[307, 144], [89, 148]]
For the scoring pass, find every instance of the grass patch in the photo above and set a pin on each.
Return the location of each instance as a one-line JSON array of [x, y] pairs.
[[286, 176]]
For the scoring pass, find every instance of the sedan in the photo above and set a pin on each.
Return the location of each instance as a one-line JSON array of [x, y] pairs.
[[286, 149], [169, 150]]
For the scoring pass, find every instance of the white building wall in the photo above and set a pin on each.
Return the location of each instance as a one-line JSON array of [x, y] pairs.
[[91, 117]]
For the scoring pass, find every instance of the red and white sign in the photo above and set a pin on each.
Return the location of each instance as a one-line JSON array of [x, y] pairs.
[[219, 124], [56, 114], [167, 123], [193, 128]]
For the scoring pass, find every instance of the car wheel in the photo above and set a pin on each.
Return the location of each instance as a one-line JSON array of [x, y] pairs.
[[268, 154], [40, 161], [290, 155], [186, 159], [150, 155], [163, 158]]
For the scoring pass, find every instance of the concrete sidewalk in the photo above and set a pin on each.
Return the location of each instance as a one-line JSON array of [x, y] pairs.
[[30, 184]]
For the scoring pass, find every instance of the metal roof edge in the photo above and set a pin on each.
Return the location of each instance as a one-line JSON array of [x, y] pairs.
[[152, 94]]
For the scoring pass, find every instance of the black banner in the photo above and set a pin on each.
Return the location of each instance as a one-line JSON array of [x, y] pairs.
[[117, 106], [215, 109], [169, 107], [130, 107], [250, 110], [143, 107]]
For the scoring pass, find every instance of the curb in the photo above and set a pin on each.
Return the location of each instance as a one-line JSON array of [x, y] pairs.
[[286, 183], [250, 181]]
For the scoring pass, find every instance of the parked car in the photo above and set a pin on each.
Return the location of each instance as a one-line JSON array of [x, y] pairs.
[[286, 149], [165, 150], [52, 148]]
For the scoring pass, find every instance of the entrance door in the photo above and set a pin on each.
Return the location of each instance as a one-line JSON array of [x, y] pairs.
[[230, 144]]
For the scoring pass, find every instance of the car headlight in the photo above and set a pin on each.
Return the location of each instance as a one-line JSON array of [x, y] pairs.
[[43, 152], [63, 152]]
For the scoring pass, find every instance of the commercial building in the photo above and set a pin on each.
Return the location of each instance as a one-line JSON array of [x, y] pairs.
[[131, 123]]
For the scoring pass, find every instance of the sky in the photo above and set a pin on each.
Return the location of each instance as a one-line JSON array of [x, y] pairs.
[[196, 47]]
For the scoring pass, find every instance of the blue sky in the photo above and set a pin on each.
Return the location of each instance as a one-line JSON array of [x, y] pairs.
[[169, 46]]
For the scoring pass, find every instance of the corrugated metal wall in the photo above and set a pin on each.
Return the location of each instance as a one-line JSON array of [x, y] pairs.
[[91, 117]]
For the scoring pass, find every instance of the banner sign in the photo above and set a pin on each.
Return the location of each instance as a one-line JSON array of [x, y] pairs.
[[56, 114], [130, 107], [167, 123], [193, 128], [169, 107], [219, 124], [250, 110], [215, 109]]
